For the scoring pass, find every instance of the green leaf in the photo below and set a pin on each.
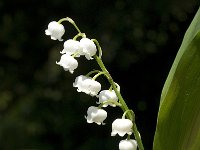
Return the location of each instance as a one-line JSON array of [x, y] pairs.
[[178, 124]]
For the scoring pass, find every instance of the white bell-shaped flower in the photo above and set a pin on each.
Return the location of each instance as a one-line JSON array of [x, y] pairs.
[[78, 82], [106, 95], [68, 63], [95, 114], [55, 30], [72, 47], [87, 85], [128, 144], [89, 48], [121, 127]]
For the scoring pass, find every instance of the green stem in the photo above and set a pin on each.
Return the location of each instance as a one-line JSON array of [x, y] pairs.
[[108, 102], [98, 47], [78, 35], [133, 115], [91, 72], [137, 137], [121, 100], [70, 21], [98, 74]]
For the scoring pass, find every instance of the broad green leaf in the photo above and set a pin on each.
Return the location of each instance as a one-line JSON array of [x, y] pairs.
[[178, 123]]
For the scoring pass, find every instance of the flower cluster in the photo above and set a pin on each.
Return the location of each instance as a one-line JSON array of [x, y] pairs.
[[72, 49]]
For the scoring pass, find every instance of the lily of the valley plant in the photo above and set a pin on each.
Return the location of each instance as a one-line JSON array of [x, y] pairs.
[[91, 50]]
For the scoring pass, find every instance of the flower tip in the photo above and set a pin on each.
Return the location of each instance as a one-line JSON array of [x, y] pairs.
[[47, 32], [53, 38], [71, 71], [62, 52], [129, 133], [103, 123], [78, 90], [60, 39], [113, 134]]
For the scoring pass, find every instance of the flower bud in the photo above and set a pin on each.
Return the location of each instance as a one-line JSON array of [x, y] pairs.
[[68, 63], [97, 115], [122, 127], [128, 144], [106, 95], [89, 48], [87, 85], [55, 30]]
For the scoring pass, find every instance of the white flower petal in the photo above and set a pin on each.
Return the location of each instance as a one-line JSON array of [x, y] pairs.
[[96, 115], [72, 47], [122, 127], [87, 85], [47, 32], [68, 63], [106, 95], [55, 30], [89, 48]]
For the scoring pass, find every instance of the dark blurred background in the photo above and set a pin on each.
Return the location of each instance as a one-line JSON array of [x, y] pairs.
[[39, 108]]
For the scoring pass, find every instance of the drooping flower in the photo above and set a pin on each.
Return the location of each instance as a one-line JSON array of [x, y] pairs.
[[68, 63], [87, 85], [55, 30], [95, 114], [72, 47], [89, 48], [121, 127], [128, 144], [106, 95], [78, 82]]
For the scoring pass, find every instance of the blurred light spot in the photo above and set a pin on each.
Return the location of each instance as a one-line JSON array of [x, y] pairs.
[[173, 27], [1, 72], [127, 58], [162, 38], [20, 88], [119, 5], [150, 47], [151, 34], [138, 33], [5, 98], [142, 105], [138, 14], [165, 18], [34, 128], [180, 14], [52, 94]]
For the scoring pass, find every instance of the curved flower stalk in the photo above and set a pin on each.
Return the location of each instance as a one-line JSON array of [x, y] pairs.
[[84, 83]]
